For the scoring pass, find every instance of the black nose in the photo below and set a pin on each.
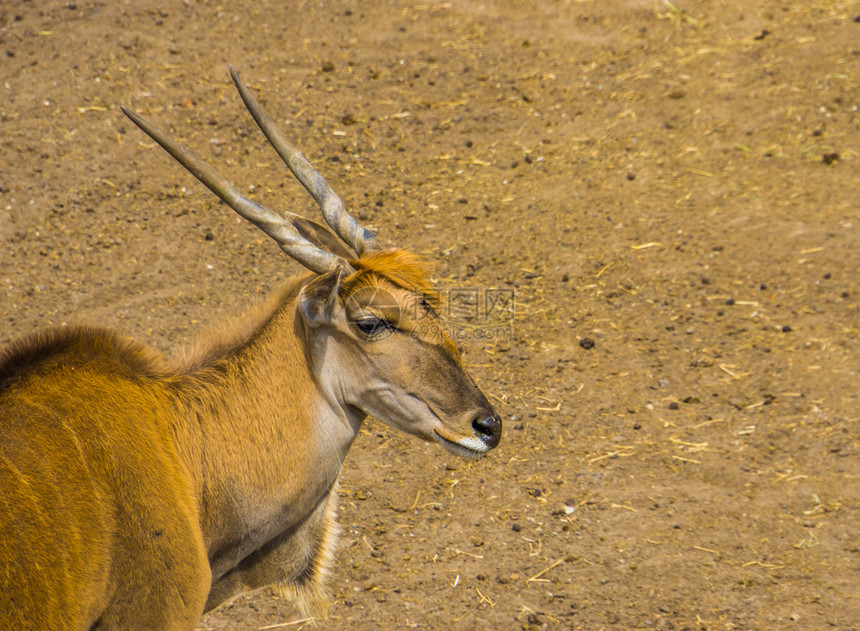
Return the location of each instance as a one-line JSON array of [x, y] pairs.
[[489, 430]]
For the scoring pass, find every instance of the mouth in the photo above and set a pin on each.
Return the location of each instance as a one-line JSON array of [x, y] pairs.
[[426, 423], [471, 447]]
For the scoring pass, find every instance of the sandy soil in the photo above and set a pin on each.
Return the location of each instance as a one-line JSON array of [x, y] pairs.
[[645, 216]]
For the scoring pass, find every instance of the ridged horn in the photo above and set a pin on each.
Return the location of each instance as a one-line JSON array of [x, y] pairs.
[[287, 236], [347, 228]]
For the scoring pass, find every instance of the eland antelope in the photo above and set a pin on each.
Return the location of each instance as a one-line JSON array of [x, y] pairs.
[[138, 492]]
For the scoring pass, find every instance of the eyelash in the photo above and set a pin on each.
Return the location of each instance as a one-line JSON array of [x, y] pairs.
[[371, 326]]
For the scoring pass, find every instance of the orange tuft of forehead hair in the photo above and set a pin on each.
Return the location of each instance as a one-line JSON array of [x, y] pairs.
[[404, 269]]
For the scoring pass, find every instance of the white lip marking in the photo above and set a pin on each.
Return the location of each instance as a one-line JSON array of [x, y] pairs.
[[475, 444], [472, 448]]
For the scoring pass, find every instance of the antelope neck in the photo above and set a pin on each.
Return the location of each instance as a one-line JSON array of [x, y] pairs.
[[267, 445]]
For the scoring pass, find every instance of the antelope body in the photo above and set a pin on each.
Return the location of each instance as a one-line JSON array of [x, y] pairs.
[[137, 492]]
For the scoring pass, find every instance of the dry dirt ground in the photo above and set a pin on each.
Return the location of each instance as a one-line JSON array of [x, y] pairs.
[[645, 216]]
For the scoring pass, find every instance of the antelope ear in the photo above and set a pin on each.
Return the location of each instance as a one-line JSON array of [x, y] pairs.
[[317, 299]]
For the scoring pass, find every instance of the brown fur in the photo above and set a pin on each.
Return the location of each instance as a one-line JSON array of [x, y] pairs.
[[234, 332], [405, 269], [400, 267], [139, 492]]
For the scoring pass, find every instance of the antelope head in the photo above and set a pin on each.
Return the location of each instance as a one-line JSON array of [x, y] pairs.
[[375, 340]]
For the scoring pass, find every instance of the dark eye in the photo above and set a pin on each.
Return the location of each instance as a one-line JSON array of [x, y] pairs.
[[371, 326]]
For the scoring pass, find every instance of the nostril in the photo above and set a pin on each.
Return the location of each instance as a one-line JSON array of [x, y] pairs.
[[489, 429]]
